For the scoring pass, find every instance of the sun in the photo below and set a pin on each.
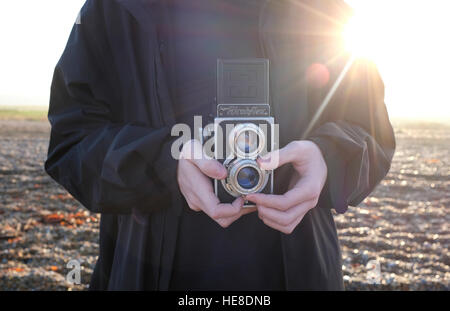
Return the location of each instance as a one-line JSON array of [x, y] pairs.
[[408, 41], [363, 35], [358, 38]]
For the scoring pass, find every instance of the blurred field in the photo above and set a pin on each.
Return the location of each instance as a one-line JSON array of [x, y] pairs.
[[24, 113], [404, 224]]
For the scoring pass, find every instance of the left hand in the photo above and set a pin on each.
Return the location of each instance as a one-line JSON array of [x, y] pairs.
[[284, 212]]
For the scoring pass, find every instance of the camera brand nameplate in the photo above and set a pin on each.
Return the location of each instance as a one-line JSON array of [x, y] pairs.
[[243, 110], [243, 81]]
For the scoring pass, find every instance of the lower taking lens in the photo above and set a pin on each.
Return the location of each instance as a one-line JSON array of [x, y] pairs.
[[248, 177]]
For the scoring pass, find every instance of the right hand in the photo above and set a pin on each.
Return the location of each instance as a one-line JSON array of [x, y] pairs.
[[194, 170]]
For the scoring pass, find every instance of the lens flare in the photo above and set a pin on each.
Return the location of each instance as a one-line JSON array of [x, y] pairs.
[[318, 75]]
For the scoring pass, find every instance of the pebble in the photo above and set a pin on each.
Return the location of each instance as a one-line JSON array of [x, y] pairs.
[[403, 224]]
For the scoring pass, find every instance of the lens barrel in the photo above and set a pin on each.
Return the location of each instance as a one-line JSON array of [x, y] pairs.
[[244, 177]]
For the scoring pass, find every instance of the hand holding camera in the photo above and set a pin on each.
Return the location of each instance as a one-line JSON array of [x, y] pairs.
[[193, 175], [284, 212]]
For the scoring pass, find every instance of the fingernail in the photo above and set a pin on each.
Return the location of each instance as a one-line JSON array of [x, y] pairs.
[[240, 202], [222, 173], [264, 159]]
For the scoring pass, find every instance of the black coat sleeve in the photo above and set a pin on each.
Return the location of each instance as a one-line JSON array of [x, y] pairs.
[[353, 132], [107, 163], [355, 136]]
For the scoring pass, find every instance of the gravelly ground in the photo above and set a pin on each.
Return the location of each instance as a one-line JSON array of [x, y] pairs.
[[404, 225]]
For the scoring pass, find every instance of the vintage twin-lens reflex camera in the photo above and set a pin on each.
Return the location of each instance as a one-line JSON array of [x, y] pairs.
[[243, 128]]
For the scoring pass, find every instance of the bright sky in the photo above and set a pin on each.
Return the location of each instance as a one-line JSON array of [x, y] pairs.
[[33, 35], [410, 43]]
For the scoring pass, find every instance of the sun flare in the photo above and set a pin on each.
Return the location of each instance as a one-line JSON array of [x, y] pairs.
[[361, 38], [408, 40]]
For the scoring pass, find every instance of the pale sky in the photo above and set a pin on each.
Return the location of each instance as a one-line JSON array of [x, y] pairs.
[[410, 45], [33, 34]]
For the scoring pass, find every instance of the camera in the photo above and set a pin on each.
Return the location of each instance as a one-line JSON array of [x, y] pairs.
[[243, 128]]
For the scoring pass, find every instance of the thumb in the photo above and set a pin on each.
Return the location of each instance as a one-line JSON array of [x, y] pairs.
[[270, 161], [211, 168], [277, 158]]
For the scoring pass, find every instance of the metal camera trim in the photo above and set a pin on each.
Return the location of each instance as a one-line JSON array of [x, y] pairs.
[[234, 165], [240, 129], [219, 153]]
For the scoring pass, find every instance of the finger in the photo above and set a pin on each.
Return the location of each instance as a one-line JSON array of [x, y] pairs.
[[284, 218], [188, 172], [248, 210], [192, 178], [193, 206], [201, 194], [284, 229], [226, 222], [278, 157], [216, 210], [193, 152], [192, 149], [211, 168], [295, 196]]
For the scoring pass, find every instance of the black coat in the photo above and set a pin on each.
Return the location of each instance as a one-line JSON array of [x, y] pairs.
[[111, 115]]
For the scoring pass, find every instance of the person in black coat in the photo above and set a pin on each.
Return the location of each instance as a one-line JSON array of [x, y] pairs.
[[132, 69]]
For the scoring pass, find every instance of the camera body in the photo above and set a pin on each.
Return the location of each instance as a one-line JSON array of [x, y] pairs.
[[243, 128]]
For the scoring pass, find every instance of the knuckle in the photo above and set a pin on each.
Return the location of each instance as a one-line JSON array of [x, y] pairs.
[[285, 220], [194, 202], [266, 222], [289, 230], [214, 214], [315, 202], [193, 207], [296, 145], [316, 190], [236, 209], [282, 203], [261, 213], [312, 191], [224, 224]]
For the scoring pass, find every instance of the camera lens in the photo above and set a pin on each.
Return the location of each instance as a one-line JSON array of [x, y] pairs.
[[247, 142], [244, 177], [248, 177]]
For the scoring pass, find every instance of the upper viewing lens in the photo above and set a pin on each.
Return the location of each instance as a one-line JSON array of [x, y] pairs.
[[247, 142]]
